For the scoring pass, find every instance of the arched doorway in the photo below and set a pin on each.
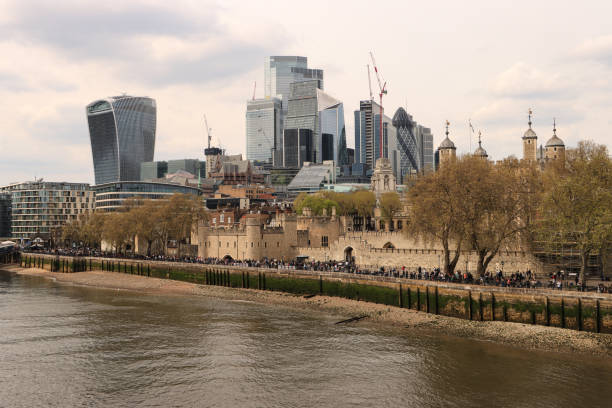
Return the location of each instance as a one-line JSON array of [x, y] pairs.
[[389, 245], [348, 254], [227, 259]]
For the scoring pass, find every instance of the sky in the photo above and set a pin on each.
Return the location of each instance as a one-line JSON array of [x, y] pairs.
[[488, 61]]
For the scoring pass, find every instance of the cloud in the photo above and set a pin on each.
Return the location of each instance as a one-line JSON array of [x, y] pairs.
[[146, 42], [10, 82], [597, 49], [524, 81]]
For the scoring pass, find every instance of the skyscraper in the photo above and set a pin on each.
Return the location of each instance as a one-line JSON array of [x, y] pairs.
[[364, 132], [414, 144], [263, 128], [122, 134], [331, 116], [281, 71]]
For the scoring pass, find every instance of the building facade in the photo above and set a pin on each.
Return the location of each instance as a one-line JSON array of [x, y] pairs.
[[40, 207], [414, 145], [263, 129], [111, 196], [332, 127], [122, 134], [5, 215]]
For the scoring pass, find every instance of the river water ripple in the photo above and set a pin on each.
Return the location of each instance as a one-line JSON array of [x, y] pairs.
[[69, 346]]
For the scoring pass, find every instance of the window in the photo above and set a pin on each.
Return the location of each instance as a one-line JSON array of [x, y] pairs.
[[265, 244], [324, 241], [277, 244], [399, 224], [251, 244], [229, 220], [214, 220], [219, 243]]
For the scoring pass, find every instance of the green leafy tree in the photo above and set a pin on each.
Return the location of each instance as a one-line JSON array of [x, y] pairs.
[[577, 204]]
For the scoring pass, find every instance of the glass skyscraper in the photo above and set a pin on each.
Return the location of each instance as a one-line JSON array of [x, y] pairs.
[[331, 115], [122, 134], [281, 71], [263, 129], [415, 144]]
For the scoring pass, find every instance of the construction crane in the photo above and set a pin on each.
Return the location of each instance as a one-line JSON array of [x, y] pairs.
[[370, 83], [382, 86], [254, 89], [208, 131]]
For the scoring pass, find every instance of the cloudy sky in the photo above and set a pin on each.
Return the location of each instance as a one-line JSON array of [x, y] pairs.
[[485, 60]]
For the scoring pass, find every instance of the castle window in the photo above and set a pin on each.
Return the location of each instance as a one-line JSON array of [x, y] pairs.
[[265, 244], [399, 224], [324, 241], [214, 220], [555, 149], [221, 217], [227, 244], [251, 244], [219, 243], [277, 244], [229, 220], [234, 244]]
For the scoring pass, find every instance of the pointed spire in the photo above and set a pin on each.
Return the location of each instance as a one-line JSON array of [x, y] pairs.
[[554, 127], [530, 113], [479, 142], [447, 124]]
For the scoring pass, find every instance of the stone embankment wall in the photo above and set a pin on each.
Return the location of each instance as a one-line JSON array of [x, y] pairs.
[[571, 310], [395, 250]]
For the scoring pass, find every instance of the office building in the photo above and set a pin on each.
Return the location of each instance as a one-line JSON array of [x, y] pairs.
[[263, 129], [5, 215], [150, 171], [365, 128], [298, 147], [331, 116], [111, 196], [281, 71], [312, 109], [414, 145], [122, 134], [39, 208]]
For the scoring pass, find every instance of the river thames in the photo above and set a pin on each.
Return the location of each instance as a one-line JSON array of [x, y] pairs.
[[70, 346]]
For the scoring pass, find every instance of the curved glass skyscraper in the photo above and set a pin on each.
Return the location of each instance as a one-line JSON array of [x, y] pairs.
[[122, 133]]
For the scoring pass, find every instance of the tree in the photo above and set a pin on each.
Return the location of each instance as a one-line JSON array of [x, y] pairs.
[[434, 211], [577, 204], [389, 204], [497, 205]]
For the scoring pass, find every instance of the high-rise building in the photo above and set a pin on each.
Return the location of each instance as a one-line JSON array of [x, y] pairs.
[[281, 71], [263, 129], [122, 134], [39, 207], [365, 127], [331, 116], [298, 147], [389, 143], [414, 143]]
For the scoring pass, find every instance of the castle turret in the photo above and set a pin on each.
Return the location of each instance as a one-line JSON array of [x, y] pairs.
[[530, 142], [447, 149], [555, 148], [480, 152]]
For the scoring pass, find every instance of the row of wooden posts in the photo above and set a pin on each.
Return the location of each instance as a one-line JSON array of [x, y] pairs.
[[222, 277]]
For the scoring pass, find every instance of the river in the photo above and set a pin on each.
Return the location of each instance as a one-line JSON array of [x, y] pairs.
[[70, 346]]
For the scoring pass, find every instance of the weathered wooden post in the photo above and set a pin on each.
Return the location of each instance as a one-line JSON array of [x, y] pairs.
[[480, 306], [579, 314], [263, 281], [469, 304], [409, 300], [320, 284], [597, 317], [427, 299], [563, 313], [547, 311], [400, 300], [492, 307], [437, 310], [418, 298], [248, 280]]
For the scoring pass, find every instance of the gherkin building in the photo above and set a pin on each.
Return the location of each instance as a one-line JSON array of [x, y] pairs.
[[407, 142]]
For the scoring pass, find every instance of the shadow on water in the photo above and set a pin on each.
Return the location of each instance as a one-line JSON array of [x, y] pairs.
[[90, 347]]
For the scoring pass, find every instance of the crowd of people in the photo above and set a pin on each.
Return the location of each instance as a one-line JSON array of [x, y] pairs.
[[559, 280]]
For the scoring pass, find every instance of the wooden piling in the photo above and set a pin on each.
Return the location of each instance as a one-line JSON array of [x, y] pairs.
[[469, 305], [400, 300], [563, 313], [418, 299], [492, 307], [547, 311], [579, 314], [597, 317], [437, 307], [427, 299], [480, 306]]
